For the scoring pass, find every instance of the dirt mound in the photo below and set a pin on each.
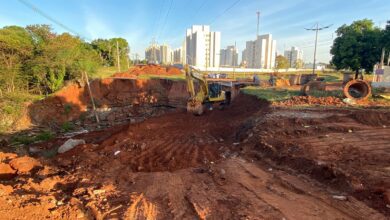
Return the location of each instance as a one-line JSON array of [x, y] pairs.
[[9, 168], [150, 69], [282, 82], [310, 100]]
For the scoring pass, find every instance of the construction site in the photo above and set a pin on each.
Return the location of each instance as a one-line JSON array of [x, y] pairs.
[[140, 151]]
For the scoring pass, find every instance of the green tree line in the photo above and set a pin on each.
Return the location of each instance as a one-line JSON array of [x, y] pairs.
[[358, 46], [37, 60]]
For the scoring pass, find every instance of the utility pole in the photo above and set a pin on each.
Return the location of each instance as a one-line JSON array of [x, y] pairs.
[[382, 58], [91, 96], [117, 55], [316, 40], [388, 60], [258, 22]]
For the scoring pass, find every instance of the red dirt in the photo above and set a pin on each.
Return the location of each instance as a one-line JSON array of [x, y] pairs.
[[310, 100], [150, 69], [73, 101], [6, 172], [244, 162], [347, 149], [25, 164]]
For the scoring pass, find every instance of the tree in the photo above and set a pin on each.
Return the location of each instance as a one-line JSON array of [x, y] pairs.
[[86, 61], [15, 48], [61, 57], [282, 62], [108, 51], [357, 46], [40, 33], [38, 60], [104, 48], [299, 64]]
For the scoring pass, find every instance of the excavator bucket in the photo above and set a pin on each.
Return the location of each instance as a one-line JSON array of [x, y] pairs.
[[195, 107]]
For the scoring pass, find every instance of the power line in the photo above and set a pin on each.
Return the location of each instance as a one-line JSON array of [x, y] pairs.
[[200, 7], [165, 19], [305, 43], [316, 40], [158, 18], [226, 10], [43, 14], [324, 43]]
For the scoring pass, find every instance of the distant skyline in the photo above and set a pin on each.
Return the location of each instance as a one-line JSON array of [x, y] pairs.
[[167, 20]]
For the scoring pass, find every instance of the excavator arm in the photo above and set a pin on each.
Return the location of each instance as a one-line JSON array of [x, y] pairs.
[[195, 102]]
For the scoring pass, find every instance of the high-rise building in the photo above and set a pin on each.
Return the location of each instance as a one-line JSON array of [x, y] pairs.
[[153, 54], [293, 55], [202, 46], [229, 56], [177, 56], [166, 54], [260, 53], [159, 54]]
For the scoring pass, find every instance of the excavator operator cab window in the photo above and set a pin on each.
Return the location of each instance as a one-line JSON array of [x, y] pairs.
[[215, 90]]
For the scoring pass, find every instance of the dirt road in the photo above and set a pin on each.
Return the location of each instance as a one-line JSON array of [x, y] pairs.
[[250, 161]]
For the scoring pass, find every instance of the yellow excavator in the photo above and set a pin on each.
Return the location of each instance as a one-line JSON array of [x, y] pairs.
[[205, 92]]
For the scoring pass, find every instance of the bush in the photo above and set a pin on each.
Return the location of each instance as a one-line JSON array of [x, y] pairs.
[[67, 126]]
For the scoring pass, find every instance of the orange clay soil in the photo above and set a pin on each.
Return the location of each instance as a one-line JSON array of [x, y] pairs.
[[248, 161]]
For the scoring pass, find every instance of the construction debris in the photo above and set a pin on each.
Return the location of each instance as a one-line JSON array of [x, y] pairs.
[[70, 144]]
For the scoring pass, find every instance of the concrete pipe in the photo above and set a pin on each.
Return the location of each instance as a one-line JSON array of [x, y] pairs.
[[313, 87], [357, 89]]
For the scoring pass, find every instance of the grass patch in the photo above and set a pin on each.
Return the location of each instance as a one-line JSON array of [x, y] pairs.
[[67, 126], [12, 106], [104, 72], [278, 94], [28, 139], [22, 139], [45, 136], [270, 94], [171, 77]]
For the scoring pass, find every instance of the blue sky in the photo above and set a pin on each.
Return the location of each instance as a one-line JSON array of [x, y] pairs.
[[166, 20]]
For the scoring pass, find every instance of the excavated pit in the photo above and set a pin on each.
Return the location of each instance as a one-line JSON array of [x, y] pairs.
[[173, 141], [250, 159]]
